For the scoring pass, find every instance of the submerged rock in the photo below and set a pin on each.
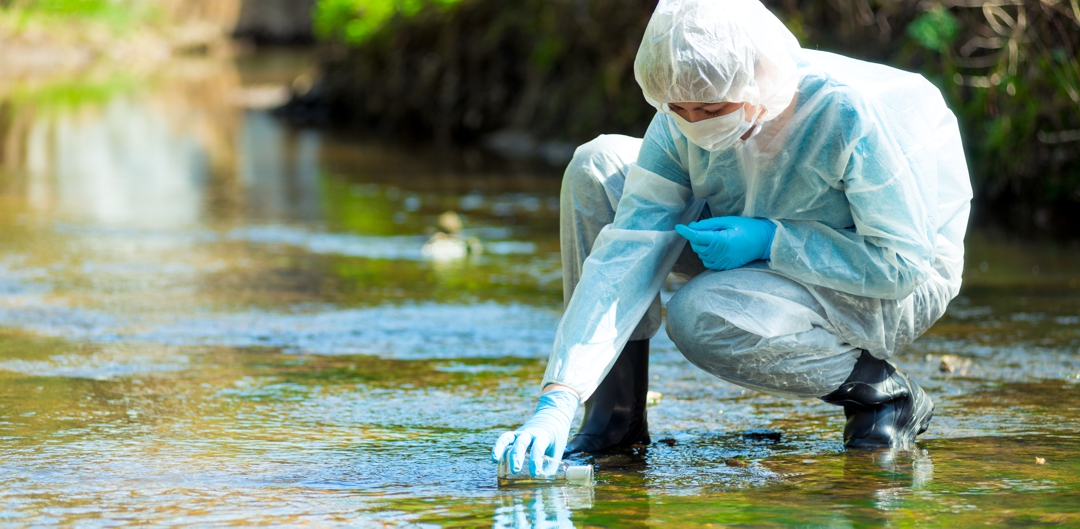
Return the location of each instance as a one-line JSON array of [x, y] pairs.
[[447, 244], [762, 435], [952, 364], [653, 397]]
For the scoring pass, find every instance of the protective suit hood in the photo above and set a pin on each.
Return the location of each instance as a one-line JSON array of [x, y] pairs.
[[712, 51]]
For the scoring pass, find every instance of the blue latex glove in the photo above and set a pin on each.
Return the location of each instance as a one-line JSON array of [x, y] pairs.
[[724, 243], [546, 432]]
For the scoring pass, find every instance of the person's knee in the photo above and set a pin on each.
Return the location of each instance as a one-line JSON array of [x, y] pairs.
[[688, 319], [599, 163], [606, 151], [702, 335], [681, 314]]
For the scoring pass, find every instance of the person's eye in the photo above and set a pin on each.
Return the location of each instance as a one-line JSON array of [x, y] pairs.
[[713, 113]]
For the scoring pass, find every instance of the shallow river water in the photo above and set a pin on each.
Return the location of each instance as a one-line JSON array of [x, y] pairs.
[[210, 318]]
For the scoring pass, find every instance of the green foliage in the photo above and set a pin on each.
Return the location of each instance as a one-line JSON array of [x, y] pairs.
[[355, 21], [1012, 76], [546, 52], [73, 8], [117, 15], [935, 29]]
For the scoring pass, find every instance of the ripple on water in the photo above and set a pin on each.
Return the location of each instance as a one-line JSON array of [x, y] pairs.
[[36, 314], [400, 247], [421, 331], [414, 331], [99, 366]]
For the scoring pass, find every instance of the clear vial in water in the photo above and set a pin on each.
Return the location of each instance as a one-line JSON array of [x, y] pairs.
[[564, 473]]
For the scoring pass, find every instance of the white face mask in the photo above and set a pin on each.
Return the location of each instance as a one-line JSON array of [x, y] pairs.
[[714, 134]]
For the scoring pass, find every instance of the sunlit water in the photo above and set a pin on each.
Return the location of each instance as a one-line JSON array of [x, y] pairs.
[[208, 317]]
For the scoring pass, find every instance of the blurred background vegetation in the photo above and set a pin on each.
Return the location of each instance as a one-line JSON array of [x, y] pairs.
[[534, 78], [465, 71], [45, 36], [118, 16]]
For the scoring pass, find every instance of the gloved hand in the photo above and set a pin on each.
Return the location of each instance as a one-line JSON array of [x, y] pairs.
[[546, 431], [724, 243]]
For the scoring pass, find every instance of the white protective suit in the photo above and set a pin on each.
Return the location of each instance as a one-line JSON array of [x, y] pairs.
[[859, 165]]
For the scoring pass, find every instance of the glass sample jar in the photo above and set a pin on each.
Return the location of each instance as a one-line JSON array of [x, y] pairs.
[[581, 475]]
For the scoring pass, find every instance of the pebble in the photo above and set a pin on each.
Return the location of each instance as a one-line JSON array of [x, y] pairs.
[[952, 364]]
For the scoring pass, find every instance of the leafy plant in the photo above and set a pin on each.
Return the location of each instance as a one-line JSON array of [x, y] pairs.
[[355, 21], [1012, 75], [935, 29]]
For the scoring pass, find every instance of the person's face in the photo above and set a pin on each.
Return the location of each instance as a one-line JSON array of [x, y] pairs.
[[693, 112]]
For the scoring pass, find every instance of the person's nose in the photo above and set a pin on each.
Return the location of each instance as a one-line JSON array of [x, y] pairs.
[[696, 115]]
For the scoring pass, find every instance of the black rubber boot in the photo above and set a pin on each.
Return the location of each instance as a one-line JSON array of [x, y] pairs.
[[615, 413], [884, 408]]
